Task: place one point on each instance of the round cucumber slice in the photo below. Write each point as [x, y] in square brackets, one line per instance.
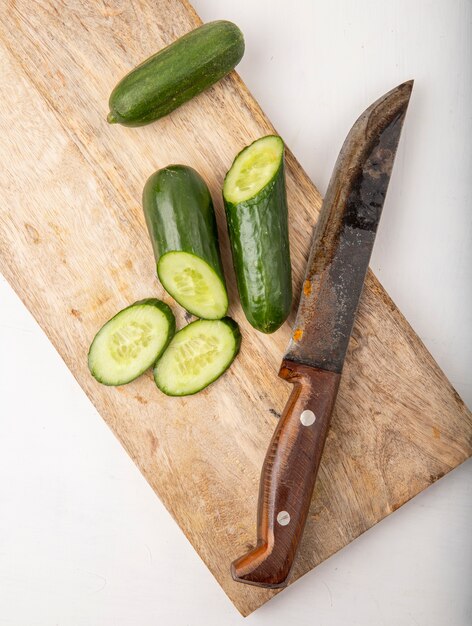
[193, 284]
[253, 169]
[131, 342]
[197, 355]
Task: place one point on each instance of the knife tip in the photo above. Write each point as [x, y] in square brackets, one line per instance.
[407, 85]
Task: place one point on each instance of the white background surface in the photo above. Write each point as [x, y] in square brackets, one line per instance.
[83, 539]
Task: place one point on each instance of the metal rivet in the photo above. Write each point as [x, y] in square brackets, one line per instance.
[283, 518]
[307, 417]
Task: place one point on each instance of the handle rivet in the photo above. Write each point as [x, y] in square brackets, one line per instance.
[283, 518]
[307, 417]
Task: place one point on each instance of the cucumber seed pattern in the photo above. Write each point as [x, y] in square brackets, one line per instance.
[255, 170]
[195, 353]
[190, 283]
[127, 342]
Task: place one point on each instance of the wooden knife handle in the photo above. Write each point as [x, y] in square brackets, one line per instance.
[288, 476]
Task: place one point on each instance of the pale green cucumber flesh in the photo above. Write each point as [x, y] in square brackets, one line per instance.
[253, 169]
[131, 342]
[197, 355]
[194, 284]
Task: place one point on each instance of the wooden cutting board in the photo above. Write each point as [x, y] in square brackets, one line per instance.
[75, 248]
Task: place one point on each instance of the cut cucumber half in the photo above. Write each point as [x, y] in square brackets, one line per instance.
[253, 169]
[197, 355]
[256, 209]
[193, 284]
[181, 221]
[131, 342]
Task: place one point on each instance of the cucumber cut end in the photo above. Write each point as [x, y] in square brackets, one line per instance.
[193, 284]
[253, 169]
[197, 356]
[131, 342]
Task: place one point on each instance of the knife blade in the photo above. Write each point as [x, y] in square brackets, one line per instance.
[342, 245]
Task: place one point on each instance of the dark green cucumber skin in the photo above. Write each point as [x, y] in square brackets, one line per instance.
[237, 345]
[176, 74]
[162, 306]
[179, 215]
[258, 233]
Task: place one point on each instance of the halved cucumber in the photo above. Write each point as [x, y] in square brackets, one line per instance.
[131, 342]
[181, 222]
[257, 217]
[197, 355]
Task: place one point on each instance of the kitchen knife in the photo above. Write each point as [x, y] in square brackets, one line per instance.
[337, 265]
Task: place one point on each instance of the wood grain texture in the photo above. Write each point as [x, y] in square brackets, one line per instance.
[73, 244]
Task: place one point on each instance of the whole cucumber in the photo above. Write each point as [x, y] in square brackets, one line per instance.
[175, 74]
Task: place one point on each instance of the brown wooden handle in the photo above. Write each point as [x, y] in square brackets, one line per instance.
[288, 476]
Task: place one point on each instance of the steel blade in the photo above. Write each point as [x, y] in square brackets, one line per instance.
[345, 233]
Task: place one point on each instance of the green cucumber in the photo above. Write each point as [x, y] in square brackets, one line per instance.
[131, 342]
[176, 74]
[197, 355]
[181, 221]
[256, 213]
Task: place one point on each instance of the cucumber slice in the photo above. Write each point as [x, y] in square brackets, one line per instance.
[253, 169]
[193, 284]
[131, 342]
[197, 355]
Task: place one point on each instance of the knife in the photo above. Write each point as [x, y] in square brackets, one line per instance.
[342, 245]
